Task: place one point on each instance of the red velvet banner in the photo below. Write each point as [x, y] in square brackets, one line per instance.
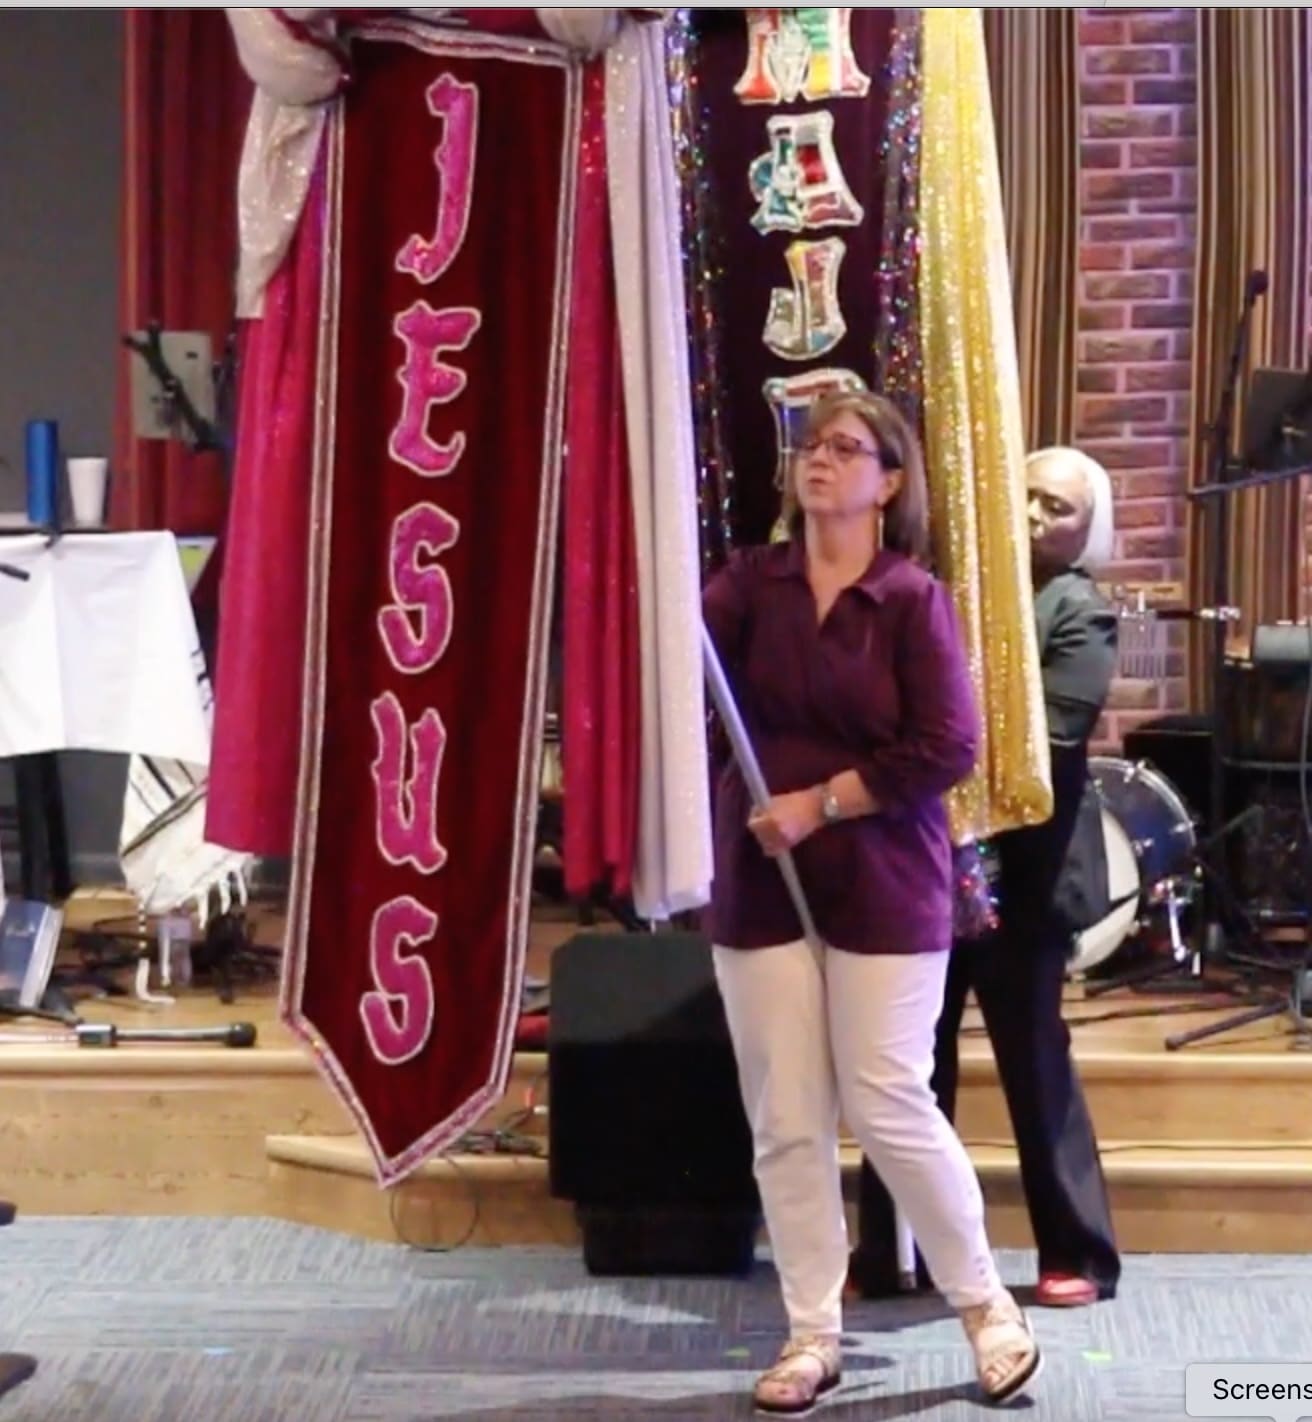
[437, 466]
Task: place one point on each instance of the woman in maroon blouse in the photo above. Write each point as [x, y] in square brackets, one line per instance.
[845, 657]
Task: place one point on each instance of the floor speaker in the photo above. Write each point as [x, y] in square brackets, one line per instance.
[647, 1133]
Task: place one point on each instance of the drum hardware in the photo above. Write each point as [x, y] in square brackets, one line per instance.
[1149, 843]
[1185, 969]
[1171, 898]
[1300, 994]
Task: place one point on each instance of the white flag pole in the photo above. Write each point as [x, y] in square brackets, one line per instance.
[722, 695]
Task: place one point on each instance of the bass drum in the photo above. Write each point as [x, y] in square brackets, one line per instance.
[1149, 837]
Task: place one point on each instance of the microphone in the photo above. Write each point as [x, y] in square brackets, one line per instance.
[98, 1034]
[1256, 286]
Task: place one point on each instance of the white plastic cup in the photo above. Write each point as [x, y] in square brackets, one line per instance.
[87, 481]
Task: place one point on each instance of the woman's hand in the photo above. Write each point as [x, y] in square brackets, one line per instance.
[788, 821]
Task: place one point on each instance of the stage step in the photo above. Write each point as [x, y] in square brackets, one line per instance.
[174, 1130]
[1151, 1096]
[1184, 1197]
[1156, 1095]
[460, 1199]
[1148, 1096]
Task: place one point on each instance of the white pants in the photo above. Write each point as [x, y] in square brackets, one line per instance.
[815, 1034]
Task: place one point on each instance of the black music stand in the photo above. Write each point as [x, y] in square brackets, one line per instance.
[1279, 435]
[1277, 447]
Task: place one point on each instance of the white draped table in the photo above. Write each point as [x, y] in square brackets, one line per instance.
[99, 650]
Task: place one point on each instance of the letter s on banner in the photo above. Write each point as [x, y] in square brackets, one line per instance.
[398, 1017]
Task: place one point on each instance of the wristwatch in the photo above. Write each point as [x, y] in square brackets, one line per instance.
[830, 811]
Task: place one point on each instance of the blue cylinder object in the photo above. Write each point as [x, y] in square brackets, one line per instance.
[42, 471]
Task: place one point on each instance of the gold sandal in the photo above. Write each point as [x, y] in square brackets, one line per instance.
[807, 1369]
[1006, 1355]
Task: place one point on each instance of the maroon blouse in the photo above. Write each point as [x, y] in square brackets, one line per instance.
[881, 687]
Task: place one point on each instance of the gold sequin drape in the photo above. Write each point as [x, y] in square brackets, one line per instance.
[973, 427]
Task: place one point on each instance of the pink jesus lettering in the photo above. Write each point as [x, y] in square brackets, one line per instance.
[422, 589]
[427, 380]
[407, 811]
[456, 105]
[398, 1015]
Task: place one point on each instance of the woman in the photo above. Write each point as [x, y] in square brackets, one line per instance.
[845, 657]
[1053, 878]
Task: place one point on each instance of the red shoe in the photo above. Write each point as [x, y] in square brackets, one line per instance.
[1065, 1291]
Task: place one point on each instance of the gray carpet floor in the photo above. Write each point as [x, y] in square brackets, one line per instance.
[172, 1320]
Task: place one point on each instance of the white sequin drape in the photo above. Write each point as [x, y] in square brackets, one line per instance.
[673, 865]
[294, 80]
[277, 162]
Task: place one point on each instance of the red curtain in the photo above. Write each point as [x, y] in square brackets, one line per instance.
[186, 99]
[602, 693]
[257, 719]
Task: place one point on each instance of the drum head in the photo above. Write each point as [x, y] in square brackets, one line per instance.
[1147, 808]
[1095, 945]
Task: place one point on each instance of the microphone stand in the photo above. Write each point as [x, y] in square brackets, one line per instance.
[1220, 471]
[1220, 486]
[1209, 855]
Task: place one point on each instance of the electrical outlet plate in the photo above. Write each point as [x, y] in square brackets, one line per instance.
[189, 355]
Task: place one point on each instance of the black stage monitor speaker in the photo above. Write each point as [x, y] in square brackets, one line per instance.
[647, 1133]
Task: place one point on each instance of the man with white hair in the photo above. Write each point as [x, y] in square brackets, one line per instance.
[1053, 885]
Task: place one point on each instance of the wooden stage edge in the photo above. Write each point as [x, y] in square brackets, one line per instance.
[1206, 1149]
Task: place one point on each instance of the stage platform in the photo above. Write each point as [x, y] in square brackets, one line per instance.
[1207, 1149]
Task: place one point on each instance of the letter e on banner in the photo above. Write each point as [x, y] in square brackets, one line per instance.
[427, 380]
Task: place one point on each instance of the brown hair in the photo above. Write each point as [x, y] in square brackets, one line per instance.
[906, 515]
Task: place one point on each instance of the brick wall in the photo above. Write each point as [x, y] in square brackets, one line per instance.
[1138, 169]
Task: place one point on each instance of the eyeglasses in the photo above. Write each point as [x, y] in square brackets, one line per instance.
[842, 447]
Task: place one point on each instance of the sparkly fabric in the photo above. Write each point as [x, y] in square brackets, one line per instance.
[974, 440]
[286, 67]
[599, 590]
[673, 865]
[581, 27]
[897, 331]
[292, 58]
[277, 163]
[701, 261]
